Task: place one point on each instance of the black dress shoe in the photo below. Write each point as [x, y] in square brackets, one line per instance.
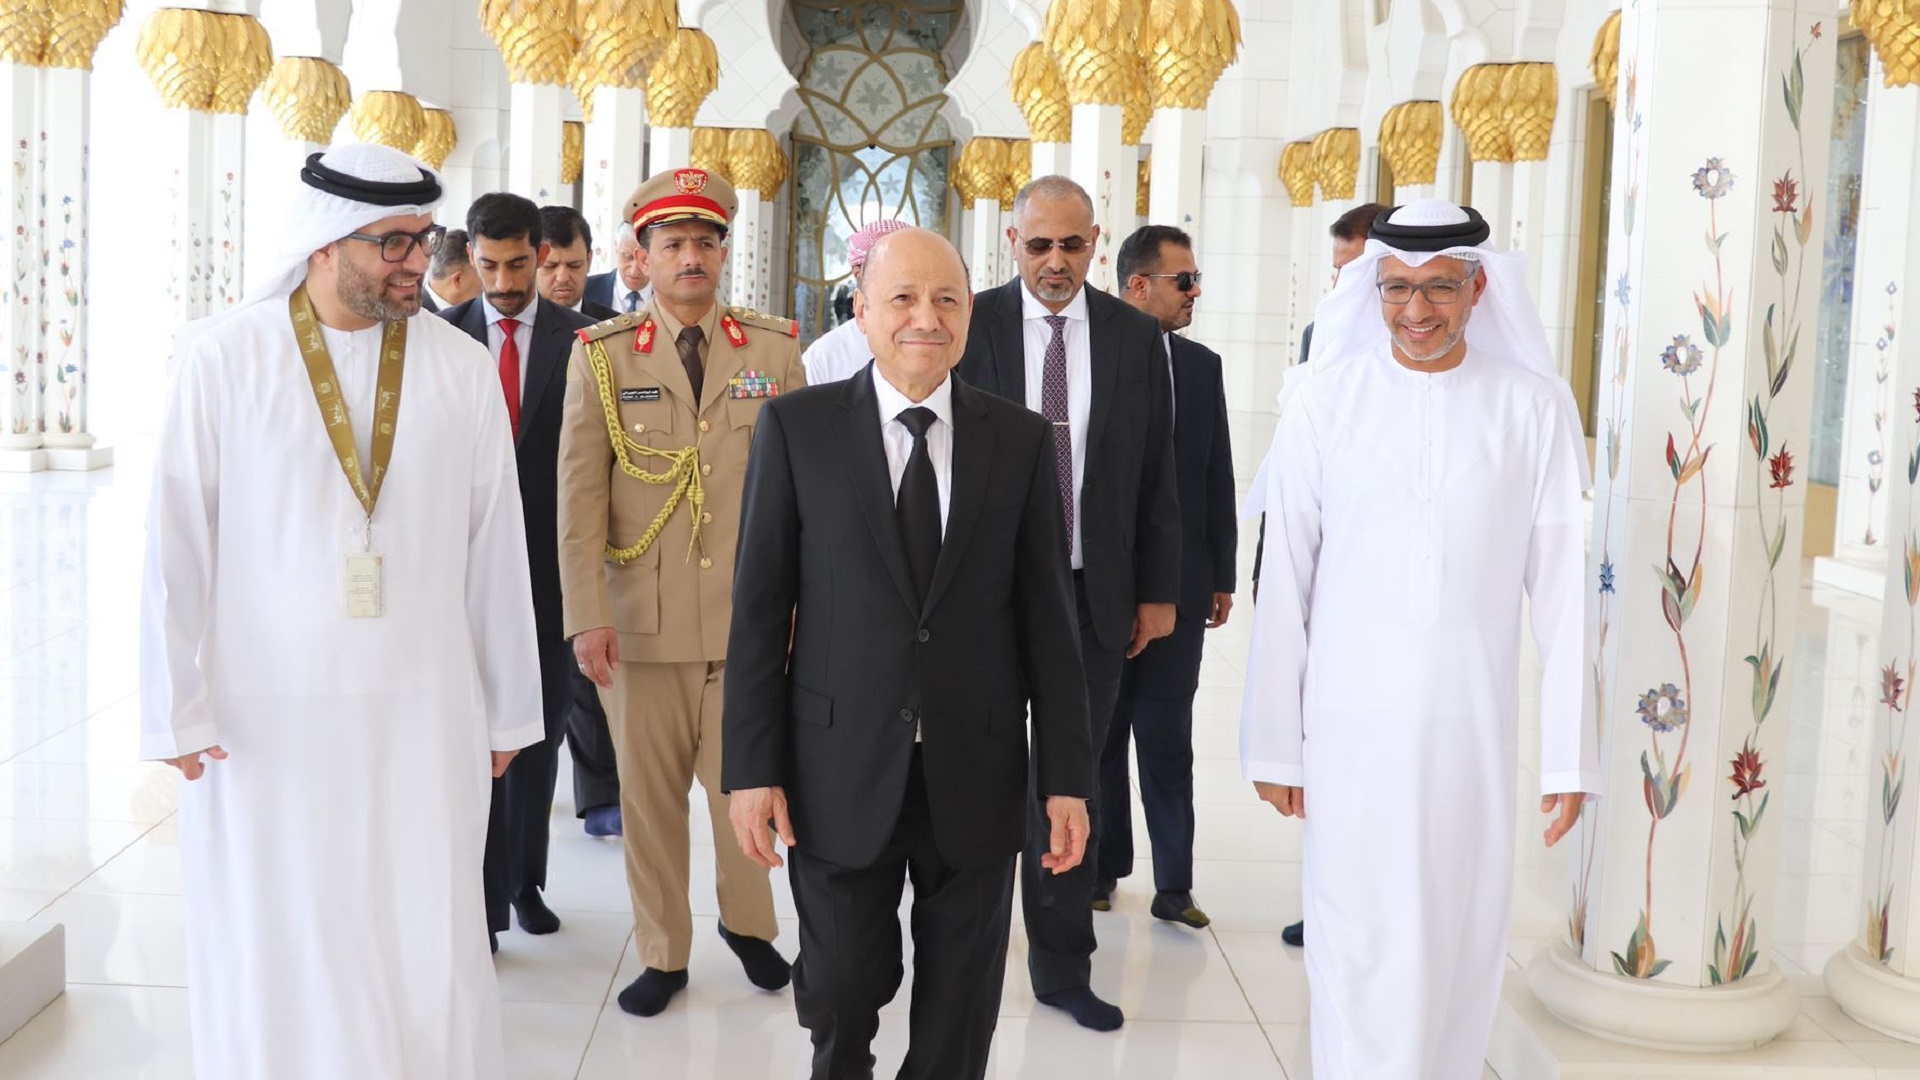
[649, 994]
[1178, 907]
[1103, 894]
[1295, 935]
[764, 965]
[493, 942]
[1086, 1008]
[535, 916]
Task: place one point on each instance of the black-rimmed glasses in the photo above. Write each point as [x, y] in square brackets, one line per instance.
[1040, 245]
[1438, 293]
[1185, 280]
[395, 247]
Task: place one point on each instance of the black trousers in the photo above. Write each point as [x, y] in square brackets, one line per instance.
[850, 967]
[1059, 907]
[1156, 709]
[517, 827]
[595, 780]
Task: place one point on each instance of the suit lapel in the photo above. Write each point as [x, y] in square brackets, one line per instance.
[972, 457]
[549, 355]
[872, 486]
[1104, 358]
[1009, 345]
[474, 322]
[1189, 401]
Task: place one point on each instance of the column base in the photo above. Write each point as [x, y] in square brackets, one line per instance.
[33, 972]
[78, 458]
[22, 461]
[1718, 1019]
[1874, 996]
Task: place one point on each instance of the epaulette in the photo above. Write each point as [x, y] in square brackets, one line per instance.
[774, 323]
[608, 327]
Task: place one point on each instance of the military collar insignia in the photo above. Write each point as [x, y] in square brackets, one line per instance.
[643, 337]
[734, 333]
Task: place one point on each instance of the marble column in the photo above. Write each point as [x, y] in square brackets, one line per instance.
[678, 83]
[1529, 97]
[616, 156]
[746, 260]
[1179, 138]
[984, 244]
[534, 137]
[1052, 158]
[64, 311]
[1872, 456]
[1698, 507]
[1296, 174]
[1098, 161]
[22, 362]
[669, 147]
[1876, 978]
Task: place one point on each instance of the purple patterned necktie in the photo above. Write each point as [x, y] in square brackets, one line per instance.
[1053, 406]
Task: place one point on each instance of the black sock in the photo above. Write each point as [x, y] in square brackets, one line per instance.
[764, 965]
[1085, 1007]
[649, 993]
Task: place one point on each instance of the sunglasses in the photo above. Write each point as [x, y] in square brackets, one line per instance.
[1185, 280]
[395, 247]
[1040, 245]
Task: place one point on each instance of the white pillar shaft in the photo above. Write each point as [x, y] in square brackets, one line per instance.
[1877, 978]
[534, 135]
[22, 362]
[669, 148]
[64, 247]
[1179, 142]
[1125, 213]
[1407, 193]
[1527, 220]
[616, 152]
[984, 241]
[205, 186]
[745, 270]
[1052, 159]
[1301, 294]
[1098, 158]
[1696, 559]
[1493, 197]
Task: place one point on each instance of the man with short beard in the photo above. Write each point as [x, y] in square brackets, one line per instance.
[528, 337]
[336, 612]
[562, 277]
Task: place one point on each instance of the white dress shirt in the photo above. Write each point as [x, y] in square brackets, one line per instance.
[522, 336]
[1173, 395]
[838, 354]
[1039, 335]
[627, 299]
[899, 441]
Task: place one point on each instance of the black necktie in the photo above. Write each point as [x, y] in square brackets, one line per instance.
[918, 505]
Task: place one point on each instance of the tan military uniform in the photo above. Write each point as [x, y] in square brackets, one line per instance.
[671, 603]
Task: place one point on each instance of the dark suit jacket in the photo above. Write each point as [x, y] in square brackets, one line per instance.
[1203, 459]
[596, 311]
[426, 299]
[537, 447]
[1128, 509]
[831, 718]
[600, 289]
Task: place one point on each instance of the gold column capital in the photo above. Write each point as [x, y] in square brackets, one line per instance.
[679, 81]
[438, 136]
[535, 38]
[1137, 110]
[1892, 27]
[1143, 189]
[980, 170]
[1096, 44]
[1480, 113]
[1604, 62]
[390, 118]
[755, 161]
[573, 150]
[1529, 98]
[204, 60]
[709, 152]
[308, 96]
[1019, 169]
[56, 33]
[1336, 162]
[1410, 141]
[617, 40]
[1296, 172]
[1041, 95]
[1188, 43]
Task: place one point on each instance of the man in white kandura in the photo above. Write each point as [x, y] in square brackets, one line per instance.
[842, 352]
[336, 611]
[1424, 475]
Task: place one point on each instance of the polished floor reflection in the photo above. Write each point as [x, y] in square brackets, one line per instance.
[87, 839]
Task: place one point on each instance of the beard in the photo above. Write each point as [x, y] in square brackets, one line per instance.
[365, 295]
[1437, 350]
[1052, 293]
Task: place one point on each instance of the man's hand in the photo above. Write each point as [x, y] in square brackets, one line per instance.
[190, 765]
[1068, 843]
[597, 651]
[1150, 623]
[1291, 801]
[1569, 806]
[502, 759]
[750, 810]
[1222, 606]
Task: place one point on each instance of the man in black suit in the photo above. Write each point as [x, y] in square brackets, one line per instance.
[562, 277]
[1096, 369]
[529, 339]
[626, 287]
[1160, 278]
[901, 596]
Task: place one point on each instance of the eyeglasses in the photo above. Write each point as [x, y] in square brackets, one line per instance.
[395, 247]
[1040, 245]
[1437, 293]
[1185, 280]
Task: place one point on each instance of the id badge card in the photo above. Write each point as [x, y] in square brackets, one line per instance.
[366, 587]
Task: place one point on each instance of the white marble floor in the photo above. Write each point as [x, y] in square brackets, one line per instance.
[87, 839]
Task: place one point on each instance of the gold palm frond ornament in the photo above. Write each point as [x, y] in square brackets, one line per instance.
[438, 137]
[1336, 162]
[1019, 169]
[535, 38]
[686, 71]
[755, 161]
[1187, 44]
[1480, 113]
[1529, 97]
[57, 34]
[307, 96]
[1041, 95]
[573, 150]
[1892, 27]
[1605, 59]
[1296, 172]
[709, 151]
[390, 118]
[204, 60]
[1096, 44]
[1410, 141]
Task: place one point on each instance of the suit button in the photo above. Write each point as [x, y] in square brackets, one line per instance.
[703, 425]
[923, 636]
[706, 563]
[706, 519]
[706, 470]
[906, 715]
[639, 429]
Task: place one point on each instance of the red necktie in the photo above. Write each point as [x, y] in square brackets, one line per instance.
[510, 371]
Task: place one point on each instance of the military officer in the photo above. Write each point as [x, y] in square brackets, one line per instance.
[660, 410]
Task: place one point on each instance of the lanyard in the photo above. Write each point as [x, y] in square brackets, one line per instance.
[333, 409]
